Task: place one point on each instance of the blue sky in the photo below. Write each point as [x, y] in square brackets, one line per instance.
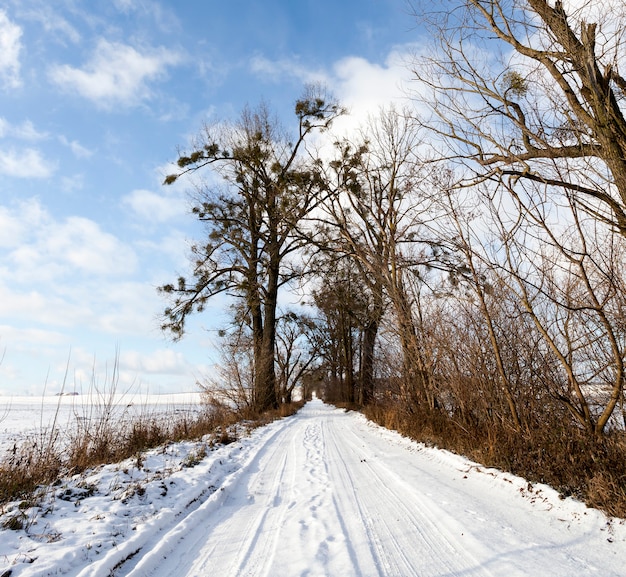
[96, 98]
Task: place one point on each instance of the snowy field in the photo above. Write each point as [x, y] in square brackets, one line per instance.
[322, 493]
[24, 417]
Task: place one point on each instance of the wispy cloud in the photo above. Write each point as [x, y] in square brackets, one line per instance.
[84, 246]
[117, 74]
[25, 163]
[42, 248]
[53, 22]
[163, 361]
[164, 17]
[72, 183]
[42, 308]
[125, 6]
[77, 149]
[24, 131]
[277, 70]
[10, 47]
[31, 336]
[16, 221]
[69, 272]
[154, 207]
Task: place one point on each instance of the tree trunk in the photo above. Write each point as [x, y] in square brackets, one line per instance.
[266, 397]
[370, 333]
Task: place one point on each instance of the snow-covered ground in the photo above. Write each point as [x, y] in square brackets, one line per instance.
[22, 417]
[321, 493]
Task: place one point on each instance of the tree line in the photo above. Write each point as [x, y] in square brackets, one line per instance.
[462, 259]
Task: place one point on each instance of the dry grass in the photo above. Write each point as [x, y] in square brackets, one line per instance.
[44, 458]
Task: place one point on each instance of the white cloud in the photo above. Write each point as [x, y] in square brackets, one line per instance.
[174, 246]
[25, 163]
[85, 246]
[53, 22]
[71, 184]
[593, 11]
[364, 87]
[27, 216]
[78, 304]
[24, 131]
[125, 306]
[163, 361]
[154, 207]
[610, 15]
[27, 131]
[125, 5]
[277, 70]
[77, 149]
[164, 17]
[30, 305]
[10, 47]
[12, 228]
[117, 74]
[360, 85]
[70, 273]
[44, 249]
[154, 371]
[365, 84]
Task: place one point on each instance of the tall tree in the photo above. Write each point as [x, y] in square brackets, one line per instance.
[298, 347]
[342, 304]
[470, 273]
[377, 221]
[268, 183]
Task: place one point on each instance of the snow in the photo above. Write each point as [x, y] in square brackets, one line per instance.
[324, 492]
[23, 416]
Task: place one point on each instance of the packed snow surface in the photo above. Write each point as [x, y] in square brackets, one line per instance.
[321, 493]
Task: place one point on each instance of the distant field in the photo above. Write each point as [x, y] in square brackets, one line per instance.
[26, 417]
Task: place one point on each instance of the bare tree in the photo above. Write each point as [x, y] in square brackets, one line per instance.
[232, 383]
[529, 91]
[298, 347]
[528, 98]
[567, 271]
[472, 272]
[342, 305]
[376, 220]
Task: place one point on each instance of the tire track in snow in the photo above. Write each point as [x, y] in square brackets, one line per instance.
[401, 525]
[294, 528]
[324, 494]
[279, 517]
[320, 519]
[311, 487]
[145, 552]
[246, 541]
[238, 534]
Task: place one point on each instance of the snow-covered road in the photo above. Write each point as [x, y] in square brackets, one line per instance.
[327, 493]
